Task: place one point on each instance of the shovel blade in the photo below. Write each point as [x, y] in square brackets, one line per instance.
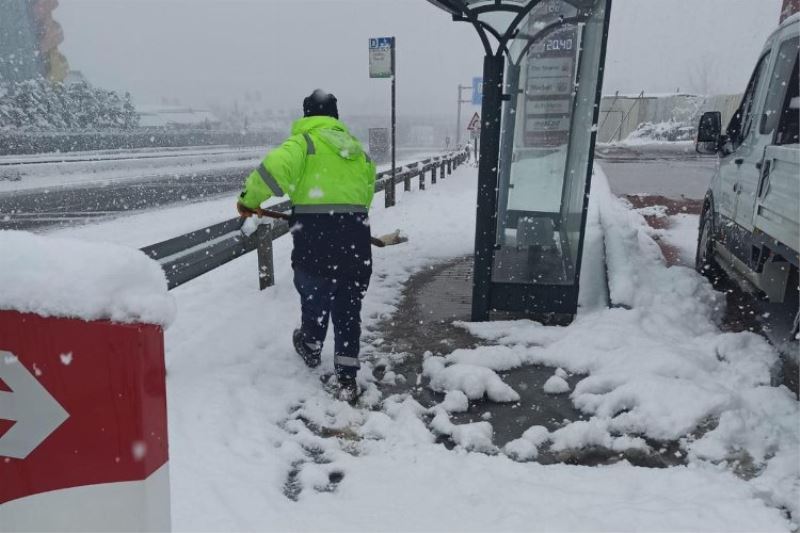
[391, 239]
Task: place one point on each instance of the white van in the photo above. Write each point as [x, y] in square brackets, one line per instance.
[750, 223]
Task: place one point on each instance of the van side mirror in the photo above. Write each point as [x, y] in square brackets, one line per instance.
[709, 133]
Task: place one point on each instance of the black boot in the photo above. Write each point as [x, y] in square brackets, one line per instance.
[309, 353]
[348, 389]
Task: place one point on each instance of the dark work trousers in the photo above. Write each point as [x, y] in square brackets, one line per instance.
[340, 300]
[332, 261]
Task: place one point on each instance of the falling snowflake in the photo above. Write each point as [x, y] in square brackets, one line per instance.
[66, 358]
[139, 450]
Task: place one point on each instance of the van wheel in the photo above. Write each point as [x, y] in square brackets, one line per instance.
[705, 263]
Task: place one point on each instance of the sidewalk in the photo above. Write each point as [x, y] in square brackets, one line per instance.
[258, 445]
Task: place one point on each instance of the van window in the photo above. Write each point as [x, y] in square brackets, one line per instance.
[739, 126]
[789, 127]
[779, 84]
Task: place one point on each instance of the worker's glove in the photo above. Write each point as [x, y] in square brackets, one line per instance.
[244, 211]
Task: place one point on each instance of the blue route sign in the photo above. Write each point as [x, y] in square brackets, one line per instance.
[477, 91]
[380, 57]
[380, 42]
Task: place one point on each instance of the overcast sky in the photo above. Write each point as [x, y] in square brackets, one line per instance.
[205, 51]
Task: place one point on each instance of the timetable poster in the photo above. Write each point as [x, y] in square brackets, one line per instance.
[550, 75]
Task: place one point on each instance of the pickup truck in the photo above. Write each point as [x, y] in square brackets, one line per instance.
[750, 222]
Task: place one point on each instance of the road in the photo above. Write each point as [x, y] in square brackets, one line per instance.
[77, 188]
[673, 171]
[30, 210]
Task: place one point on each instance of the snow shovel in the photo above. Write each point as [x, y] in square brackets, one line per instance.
[390, 239]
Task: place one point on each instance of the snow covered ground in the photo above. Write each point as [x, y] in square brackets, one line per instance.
[26, 173]
[256, 444]
[82, 169]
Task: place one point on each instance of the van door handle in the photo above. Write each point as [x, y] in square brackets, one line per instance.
[759, 165]
[736, 187]
[739, 161]
[764, 186]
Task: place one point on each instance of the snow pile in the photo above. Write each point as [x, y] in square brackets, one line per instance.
[474, 381]
[589, 433]
[658, 365]
[556, 385]
[668, 131]
[76, 279]
[475, 436]
[497, 358]
[759, 436]
[526, 447]
[682, 234]
[400, 421]
[455, 401]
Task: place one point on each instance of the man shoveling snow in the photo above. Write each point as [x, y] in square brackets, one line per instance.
[330, 181]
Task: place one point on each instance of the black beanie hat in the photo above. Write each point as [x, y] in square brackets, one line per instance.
[320, 103]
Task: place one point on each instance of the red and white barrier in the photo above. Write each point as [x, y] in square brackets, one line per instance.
[83, 414]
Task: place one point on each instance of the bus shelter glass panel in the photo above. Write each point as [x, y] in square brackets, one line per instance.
[546, 140]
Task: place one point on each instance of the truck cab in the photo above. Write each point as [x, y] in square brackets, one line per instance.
[750, 223]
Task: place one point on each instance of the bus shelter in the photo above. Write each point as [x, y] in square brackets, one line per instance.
[543, 73]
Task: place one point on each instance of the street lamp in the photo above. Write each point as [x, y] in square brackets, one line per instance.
[537, 144]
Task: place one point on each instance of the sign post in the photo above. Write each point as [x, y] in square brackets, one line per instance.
[476, 100]
[382, 64]
[475, 131]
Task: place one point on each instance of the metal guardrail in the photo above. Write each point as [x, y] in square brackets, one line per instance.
[193, 254]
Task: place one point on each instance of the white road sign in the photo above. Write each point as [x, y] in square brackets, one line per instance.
[380, 57]
[475, 123]
[36, 413]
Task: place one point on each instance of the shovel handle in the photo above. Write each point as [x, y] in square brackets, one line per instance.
[285, 216]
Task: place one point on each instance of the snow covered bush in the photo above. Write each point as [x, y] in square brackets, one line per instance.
[39, 105]
[669, 131]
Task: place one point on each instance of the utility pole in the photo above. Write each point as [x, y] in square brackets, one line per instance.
[461, 88]
[394, 118]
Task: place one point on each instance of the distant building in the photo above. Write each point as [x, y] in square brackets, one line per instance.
[19, 44]
[176, 117]
[29, 39]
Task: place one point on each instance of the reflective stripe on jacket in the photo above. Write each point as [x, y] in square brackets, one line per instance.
[321, 167]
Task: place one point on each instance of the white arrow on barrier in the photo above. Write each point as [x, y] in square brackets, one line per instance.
[36, 413]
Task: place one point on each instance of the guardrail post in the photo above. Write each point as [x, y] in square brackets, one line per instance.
[389, 190]
[449, 166]
[422, 179]
[433, 174]
[266, 264]
[407, 181]
[441, 170]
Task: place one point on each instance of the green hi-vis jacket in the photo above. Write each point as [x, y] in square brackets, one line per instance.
[321, 167]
